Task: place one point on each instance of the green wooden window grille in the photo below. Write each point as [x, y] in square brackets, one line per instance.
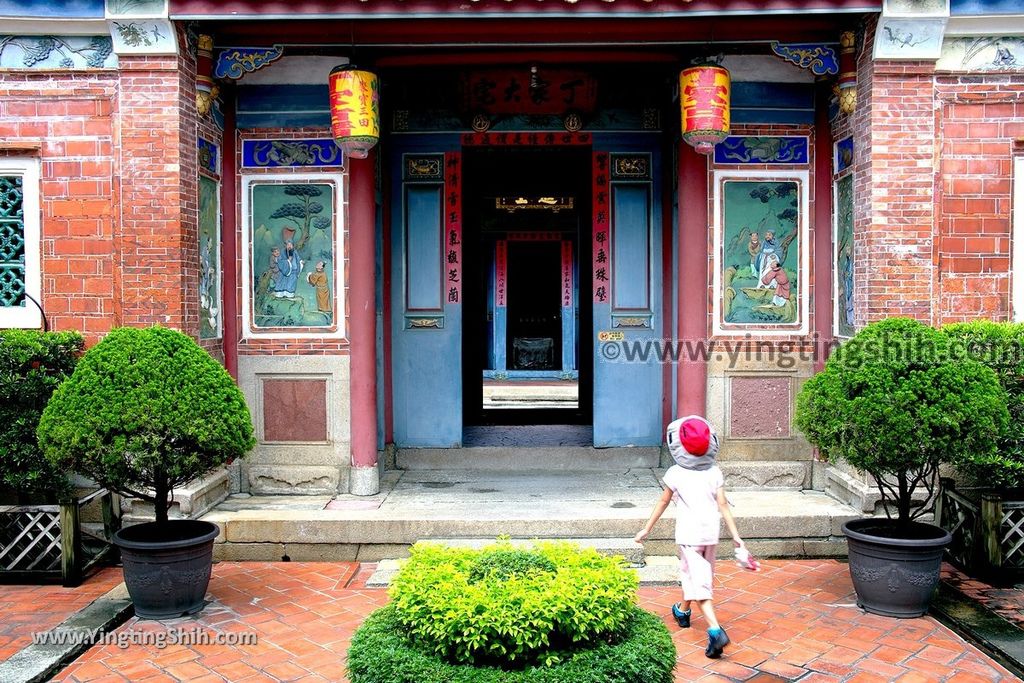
[12, 242]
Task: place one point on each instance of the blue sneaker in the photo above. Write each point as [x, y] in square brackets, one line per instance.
[716, 643]
[682, 618]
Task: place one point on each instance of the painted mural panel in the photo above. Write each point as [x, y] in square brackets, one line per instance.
[209, 260]
[293, 269]
[760, 252]
[843, 241]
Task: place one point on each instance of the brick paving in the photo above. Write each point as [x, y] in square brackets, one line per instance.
[1006, 601]
[793, 620]
[34, 609]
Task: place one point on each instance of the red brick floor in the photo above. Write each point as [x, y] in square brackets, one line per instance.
[793, 620]
[34, 609]
[1007, 602]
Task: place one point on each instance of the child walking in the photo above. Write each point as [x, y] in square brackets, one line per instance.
[696, 484]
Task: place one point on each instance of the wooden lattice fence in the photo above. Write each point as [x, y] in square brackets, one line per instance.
[987, 528]
[43, 543]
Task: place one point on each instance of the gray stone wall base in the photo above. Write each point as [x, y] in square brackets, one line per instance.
[296, 479]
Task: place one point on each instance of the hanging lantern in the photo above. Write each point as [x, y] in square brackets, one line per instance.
[355, 117]
[704, 100]
[847, 85]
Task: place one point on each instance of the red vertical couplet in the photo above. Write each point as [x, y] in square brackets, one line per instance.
[602, 222]
[566, 274]
[453, 227]
[500, 272]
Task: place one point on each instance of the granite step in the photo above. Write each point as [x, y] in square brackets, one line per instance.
[483, 505]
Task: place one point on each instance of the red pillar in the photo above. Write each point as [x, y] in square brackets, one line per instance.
[692, 386]
[229, 243]
[823, 309]
[362, 326]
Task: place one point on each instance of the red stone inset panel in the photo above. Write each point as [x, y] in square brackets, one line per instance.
[760, 407]
[295, 410]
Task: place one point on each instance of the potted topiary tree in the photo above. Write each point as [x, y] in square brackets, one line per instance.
[896, 402]
[145, 411]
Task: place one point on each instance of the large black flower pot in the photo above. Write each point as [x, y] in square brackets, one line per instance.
[895, 569]
[167, 570]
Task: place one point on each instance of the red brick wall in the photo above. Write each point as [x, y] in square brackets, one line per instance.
[979, 117]
[118, 190]
[68, 122]
[895, 193]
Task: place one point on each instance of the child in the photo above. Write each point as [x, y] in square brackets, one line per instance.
[695, 483]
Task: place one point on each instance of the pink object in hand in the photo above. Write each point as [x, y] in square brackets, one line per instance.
[746, 561]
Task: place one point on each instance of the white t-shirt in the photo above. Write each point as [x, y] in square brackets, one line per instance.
[695, 493]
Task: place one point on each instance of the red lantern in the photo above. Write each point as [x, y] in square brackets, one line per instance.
[355, 115]
[704, 101]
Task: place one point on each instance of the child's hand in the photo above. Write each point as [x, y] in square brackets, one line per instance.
[641, 535]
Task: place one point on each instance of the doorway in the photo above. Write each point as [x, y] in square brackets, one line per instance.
[524, 359]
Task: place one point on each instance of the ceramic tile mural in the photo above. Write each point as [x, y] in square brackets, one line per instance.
[761, 263]
[292, 271]
[843, 266]
[209, 260]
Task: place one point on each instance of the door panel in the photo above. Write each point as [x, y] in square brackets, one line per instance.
[426, 298]
[627, 291]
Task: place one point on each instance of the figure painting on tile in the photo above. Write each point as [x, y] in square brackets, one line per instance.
[844, 256]
[292, 254]
[761, 252]
[209, 260]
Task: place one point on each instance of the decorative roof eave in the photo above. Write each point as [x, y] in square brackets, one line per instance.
[331, 9]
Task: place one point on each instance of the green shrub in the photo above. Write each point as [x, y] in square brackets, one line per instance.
[896, 402]
[510, 616]
[32, 366]
[1000, 346]
[502, 564]
[145, 411]
[382, 652]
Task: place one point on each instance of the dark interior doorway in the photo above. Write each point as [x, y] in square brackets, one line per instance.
[534, 332]
[535, 262]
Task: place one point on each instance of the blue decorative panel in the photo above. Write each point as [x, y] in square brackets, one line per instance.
[283, 106]
[753, 149]
[290, 153]
[756, 102]
[235, 62]
[844, 154]
[209, 157]
[65, 9]
[960, 8]
[631, 211]
[821, 60]
[423, 206]
[57, 52]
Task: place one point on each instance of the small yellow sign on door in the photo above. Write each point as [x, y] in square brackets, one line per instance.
[608, 336]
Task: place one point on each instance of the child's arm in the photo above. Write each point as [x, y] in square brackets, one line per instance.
[659, 508]
[730, 523]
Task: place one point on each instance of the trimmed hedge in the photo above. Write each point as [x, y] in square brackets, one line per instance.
[896, 401]
[1000, 346]
[146, 409]
[382, 652]
[32, 366]
[499, 604]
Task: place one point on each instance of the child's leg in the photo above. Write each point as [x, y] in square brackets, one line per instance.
[702, 567]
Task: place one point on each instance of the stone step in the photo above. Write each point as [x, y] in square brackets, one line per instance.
[448, 504]
[524, 458]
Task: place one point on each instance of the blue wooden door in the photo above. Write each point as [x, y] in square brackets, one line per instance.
[426, 295]
[627, 296]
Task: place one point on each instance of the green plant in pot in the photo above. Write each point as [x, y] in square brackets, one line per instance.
[896, 402]
[145, 411]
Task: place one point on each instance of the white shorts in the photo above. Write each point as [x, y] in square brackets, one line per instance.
[696, 571]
